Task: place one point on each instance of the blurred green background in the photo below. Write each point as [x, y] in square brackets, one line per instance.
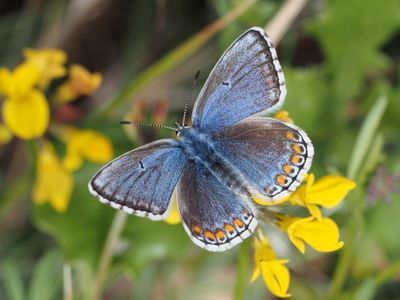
[341, 60]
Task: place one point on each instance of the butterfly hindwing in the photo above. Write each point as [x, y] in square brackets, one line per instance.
[246, 80]
[214, 216]
[273, 156]
[142, 181]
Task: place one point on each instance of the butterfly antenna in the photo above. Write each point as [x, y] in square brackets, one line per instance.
[147, 125]
[196, 77]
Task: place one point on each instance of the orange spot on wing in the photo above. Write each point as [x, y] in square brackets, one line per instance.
[288, 169]
[238, 222]
[295, 159]
[280, 179]
[289, 135]
[229, 228]
[220, 235]
[209, 235]
[196, 229]
[297, 148]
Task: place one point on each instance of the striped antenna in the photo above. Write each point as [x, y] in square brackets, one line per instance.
[190, 96]
[147, 125]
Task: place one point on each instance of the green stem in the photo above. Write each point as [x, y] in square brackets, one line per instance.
[172, 59]
[242, 270]
[343, 263]
[107, 253]
[361, 151]
[67, 278]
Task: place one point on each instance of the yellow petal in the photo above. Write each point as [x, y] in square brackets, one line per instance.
[95, 147]
[256, 273]
[25, 76]
[262, 200]
[298, 242]
[6, 82]
[60, 203]
[276, 277]
[283, 116]
[263, 250]
[309, 178]
[284, 221]
[64, 93]
[27, 118]
[314, 211]
[322, 235]
[5, 134]
[53, 183]
[50, 63]
[72, 161]
[299, 196]
[329, 190]
[174, 216]
[80, 83]
[88, 144]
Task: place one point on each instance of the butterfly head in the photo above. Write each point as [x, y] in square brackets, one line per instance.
[180, 128]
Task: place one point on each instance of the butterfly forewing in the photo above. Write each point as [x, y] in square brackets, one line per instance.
[141, 181]
[246, 80]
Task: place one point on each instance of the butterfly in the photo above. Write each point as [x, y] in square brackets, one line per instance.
[228, 155]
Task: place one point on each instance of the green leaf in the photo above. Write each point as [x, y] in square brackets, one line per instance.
[366, 290]
[48, 270]
[366, 136]
[382, 225]
[82, 229]
[150, 241]
[306, 96]
[351, 33]
[12, 280]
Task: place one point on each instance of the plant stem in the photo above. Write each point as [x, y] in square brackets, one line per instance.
[67, 276]
[283, 19]
[107, 253]
[242, 267]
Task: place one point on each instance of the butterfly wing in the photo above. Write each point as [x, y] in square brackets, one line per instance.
[141, 182]
[214, 217]
[273, 156]
[246, 80]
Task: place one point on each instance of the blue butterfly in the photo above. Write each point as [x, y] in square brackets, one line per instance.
[225, 158]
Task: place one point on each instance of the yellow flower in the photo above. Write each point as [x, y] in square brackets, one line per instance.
[85, 144]
[80, 83]
[262, 200]
[322, 235]
[275, 274]
[50, 63]
[283, 116]
[328, 191]
[5, 134]
[25, 109]
[53, 182]
[173, 216]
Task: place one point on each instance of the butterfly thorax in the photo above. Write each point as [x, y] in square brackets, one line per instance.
[199, 146]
